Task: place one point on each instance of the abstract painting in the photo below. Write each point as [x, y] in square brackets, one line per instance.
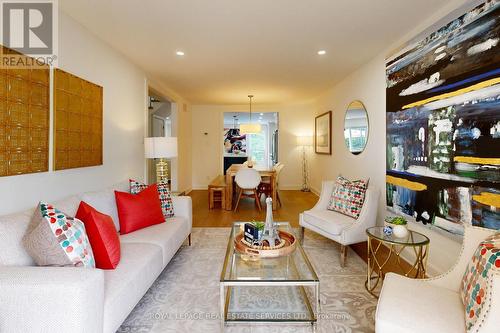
[323, 134]
[443, 124]
[234, 142]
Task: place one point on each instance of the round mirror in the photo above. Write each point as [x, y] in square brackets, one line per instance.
[356, 127]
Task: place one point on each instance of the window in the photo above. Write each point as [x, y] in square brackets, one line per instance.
[258, 144]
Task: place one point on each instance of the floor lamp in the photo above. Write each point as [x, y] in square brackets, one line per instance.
[304, 142]
[162, 148]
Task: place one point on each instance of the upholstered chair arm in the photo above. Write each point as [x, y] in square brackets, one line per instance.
[452, 278]
[51, 299]
[183, 208]
[367, 218]
[326, 193]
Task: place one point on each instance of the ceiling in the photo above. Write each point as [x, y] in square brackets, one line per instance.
[236, 47]
[244, 117]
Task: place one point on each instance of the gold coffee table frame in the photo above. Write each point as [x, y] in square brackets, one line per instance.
[417, 241]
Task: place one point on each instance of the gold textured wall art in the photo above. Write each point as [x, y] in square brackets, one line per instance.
[78, 124]
[24, 118]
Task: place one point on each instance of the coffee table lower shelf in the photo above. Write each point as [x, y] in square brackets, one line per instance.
[269, 302]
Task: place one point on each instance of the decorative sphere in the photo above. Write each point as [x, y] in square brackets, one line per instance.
[388, 230]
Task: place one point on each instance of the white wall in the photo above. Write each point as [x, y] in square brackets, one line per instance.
[84, 55]
[294, 120]
[368, 85]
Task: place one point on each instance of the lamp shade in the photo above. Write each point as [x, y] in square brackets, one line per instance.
[304, 140]
[160, 147]
[251, 128]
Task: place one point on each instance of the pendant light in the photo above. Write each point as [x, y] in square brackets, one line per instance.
[250, 128]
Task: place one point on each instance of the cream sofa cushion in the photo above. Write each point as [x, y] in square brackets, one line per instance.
[168, 235]
[124, 286]
[407, 305]
[12, 229]
[328, 221]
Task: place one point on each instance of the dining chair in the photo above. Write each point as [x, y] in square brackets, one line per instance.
[248, 180]
[279, 168]
[265, 185]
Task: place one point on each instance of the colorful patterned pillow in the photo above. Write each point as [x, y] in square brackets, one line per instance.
[348, 196]
[474, 288]
[55, 239]
[167, 206]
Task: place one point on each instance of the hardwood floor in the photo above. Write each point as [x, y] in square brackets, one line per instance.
[294, 203]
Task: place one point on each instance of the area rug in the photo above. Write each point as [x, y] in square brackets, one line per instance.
[185, 297]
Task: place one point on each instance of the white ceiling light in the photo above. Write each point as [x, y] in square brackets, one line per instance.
[180, 53]
[321, 52]
[250, 128]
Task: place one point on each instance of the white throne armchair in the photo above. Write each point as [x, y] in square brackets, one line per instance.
[338, 227]
[434, 305]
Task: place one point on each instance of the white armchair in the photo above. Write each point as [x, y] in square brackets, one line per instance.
[434, 305]
[341, 228]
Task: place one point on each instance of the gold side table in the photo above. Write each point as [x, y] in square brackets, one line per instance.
[415, 240]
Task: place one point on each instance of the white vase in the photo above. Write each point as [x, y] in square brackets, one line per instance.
[400, 231]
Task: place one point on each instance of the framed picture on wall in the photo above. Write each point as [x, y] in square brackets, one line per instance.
[323, 133]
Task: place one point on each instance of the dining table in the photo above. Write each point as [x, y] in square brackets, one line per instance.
[230, 185]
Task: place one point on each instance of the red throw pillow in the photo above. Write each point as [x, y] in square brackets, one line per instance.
[137, 211]
[102, 235]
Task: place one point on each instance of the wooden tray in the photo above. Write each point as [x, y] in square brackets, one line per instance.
[290, 243]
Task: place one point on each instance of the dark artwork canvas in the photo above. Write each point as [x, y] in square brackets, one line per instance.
[443, 124]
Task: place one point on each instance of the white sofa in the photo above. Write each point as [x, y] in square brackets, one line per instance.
[71, 299]
[341, 228]
[434, 305]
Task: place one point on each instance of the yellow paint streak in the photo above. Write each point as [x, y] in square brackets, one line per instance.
[477, 160]
[489, 199]
[406, 183]
[458, 92]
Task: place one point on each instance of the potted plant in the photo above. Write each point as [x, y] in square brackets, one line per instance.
[260, 227]
[399, 226]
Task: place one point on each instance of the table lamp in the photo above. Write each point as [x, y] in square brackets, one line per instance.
[162, 148]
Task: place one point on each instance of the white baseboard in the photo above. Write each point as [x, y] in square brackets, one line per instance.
[315, 191]
[290, 187]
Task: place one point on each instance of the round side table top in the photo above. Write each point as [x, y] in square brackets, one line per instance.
[412, 239]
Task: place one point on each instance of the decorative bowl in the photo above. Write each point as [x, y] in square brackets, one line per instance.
[266, 252]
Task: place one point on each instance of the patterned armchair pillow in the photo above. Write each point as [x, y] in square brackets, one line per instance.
[56, 239]
[348, 196]
[167, 206]
[474, 287]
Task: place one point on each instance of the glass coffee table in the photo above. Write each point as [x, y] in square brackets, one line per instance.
[282, 289]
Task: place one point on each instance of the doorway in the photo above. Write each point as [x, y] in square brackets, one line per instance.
[159, 124]
[261, 147]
